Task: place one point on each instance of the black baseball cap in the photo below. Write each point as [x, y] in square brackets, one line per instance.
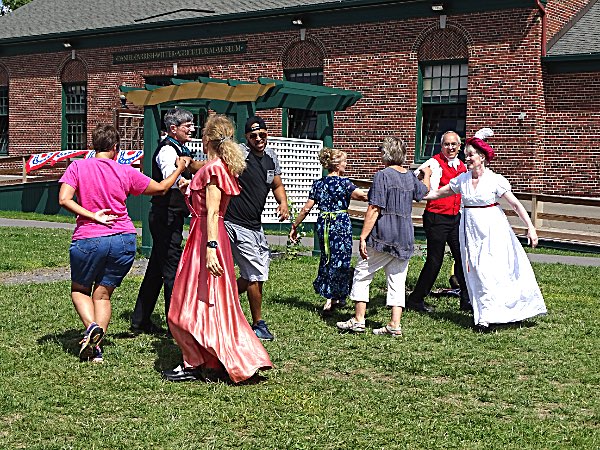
[255, 123]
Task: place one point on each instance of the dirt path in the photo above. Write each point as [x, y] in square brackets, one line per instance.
[49, 275]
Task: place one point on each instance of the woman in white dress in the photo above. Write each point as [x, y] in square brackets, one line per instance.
[501, 283]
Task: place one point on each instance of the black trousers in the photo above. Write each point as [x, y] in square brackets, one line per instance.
[440, 229]
[166, 227]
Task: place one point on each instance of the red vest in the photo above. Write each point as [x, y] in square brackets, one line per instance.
[449, 205]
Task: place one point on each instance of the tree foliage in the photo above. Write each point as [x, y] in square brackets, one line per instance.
[14, 4]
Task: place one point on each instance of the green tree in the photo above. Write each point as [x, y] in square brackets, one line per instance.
[14, 4]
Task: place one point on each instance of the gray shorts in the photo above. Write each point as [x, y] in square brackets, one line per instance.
[250, 252]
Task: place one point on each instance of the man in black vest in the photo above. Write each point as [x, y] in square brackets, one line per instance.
[243, 218]
[166, 218]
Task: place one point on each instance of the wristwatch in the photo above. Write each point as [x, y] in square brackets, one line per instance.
[212, 244]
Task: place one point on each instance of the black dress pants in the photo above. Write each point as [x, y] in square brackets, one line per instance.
[440, 229]
[166, 227]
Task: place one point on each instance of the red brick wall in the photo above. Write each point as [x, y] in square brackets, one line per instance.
[379, 60]
[559, 12]
[571, 166]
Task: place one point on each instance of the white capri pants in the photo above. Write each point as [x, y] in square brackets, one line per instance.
[395, 271]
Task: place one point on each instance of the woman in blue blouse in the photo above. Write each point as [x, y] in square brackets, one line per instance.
[332, 194]
[387, 237]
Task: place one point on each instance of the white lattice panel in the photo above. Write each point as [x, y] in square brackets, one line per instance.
[300, 166]
[195, 147]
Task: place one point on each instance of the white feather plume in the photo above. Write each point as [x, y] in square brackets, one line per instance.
[484, 133]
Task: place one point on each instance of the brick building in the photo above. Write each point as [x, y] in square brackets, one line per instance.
[529, 69]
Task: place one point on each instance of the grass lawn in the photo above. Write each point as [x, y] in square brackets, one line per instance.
[440, 386]
[33, 248]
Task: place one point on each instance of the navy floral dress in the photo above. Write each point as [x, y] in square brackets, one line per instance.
[332, 196]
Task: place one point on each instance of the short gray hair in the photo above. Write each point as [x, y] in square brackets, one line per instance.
[393, 151]
[448, 132]
[177, 116]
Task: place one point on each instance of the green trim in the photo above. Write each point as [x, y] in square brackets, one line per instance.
[589, 62]
[284, 122]
[64, 123]
[314, 16]
[151, 136]
[419, 119]
[4, 115]
[63, 129]
[325, 128]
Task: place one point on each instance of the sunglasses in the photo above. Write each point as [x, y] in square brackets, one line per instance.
[261, 135]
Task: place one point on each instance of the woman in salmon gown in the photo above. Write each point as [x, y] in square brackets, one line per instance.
[205, 316]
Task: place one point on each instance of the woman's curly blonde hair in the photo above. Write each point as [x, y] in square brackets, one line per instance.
[219, 132]
[330, 157]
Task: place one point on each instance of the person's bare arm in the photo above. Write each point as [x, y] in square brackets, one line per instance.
[213, 200]
[518, 207]
[359, 194]
[299, 218]
[196, 165]
[370, 218]
[426, 178]
[439, 193]
[281, 198]
[156, 188]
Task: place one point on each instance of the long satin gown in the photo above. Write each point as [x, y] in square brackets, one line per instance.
[205, 316]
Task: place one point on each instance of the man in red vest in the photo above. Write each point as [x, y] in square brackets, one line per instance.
[441, 221]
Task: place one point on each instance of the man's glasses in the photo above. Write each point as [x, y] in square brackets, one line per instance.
[261, 135]
[450, 144]
[187, 125]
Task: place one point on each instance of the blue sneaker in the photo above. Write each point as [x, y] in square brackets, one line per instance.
[97, 355]
[91, 338]
[262, 332]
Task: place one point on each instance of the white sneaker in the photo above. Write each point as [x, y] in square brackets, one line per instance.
[352, 325]
[387, 330]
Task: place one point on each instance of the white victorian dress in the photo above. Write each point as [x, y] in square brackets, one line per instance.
[502, 285]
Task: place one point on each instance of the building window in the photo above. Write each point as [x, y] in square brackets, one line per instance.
[75, 116]
[443, 101]
[3, 120]
[302, 123]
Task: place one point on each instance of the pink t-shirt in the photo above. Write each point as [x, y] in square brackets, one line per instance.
[101, 183]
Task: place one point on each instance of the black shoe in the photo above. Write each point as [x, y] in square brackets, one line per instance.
[423, 307]
[179, 374]
[147, 329]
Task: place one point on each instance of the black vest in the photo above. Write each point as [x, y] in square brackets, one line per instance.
[173, 199]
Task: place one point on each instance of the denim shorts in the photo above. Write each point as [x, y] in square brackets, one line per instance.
[102, 260]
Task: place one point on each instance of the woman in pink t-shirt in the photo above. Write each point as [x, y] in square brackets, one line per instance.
[104, 241]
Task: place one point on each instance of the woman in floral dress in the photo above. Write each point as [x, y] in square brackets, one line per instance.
[332, 194]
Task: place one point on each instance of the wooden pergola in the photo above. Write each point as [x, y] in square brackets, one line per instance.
[237, 99]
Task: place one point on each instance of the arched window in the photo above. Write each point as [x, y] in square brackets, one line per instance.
[443, 78]
[74, 106]
[302, 63]
[3, 111]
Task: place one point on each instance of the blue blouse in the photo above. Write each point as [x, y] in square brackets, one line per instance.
[393, 192]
